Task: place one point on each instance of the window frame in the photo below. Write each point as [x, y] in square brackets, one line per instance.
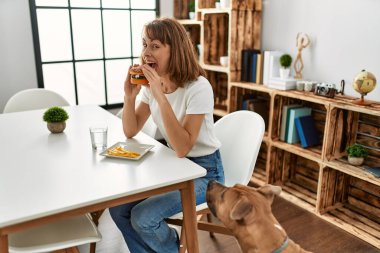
[37, 47]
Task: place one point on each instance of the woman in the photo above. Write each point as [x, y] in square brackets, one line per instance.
[181, 103]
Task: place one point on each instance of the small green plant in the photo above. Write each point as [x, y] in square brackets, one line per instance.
[357, 151]
[55, 114]
[285, 60]
[191, 6]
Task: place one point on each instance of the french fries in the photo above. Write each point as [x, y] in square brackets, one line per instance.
[120, 151]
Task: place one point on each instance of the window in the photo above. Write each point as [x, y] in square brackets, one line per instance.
[83, 48]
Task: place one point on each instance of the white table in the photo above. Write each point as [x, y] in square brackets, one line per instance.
[44, 177]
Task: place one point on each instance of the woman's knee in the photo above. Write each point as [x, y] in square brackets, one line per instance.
[141, 219]
[120, 213]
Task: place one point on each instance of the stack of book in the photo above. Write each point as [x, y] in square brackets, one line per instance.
[251, 66]
[271, 72]
[298, 125]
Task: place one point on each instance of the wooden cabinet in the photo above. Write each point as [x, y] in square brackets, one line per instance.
[223, 32]
[319, 179]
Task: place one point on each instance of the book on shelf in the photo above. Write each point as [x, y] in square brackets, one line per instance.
[249, 65]
[268, 69]
[373, 170]
[292, 136]
[284, 119]
[307, 132]
[259, 69]
[253, 66]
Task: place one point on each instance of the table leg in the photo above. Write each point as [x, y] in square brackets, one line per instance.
[189, 217]
[4, 244]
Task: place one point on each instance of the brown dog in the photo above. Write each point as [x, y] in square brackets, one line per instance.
[248, 214]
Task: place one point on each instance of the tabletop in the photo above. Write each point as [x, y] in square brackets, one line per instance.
[43, 174]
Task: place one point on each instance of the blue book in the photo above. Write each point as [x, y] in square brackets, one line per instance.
[294, 113]
[307, 132]
[285, 120]
[253, 66]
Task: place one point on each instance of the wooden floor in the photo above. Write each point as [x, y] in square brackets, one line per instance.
[303, 227]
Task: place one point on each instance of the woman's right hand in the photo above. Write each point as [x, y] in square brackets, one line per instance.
[131, 90]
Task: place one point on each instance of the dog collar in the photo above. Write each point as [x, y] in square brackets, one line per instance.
[283, 246]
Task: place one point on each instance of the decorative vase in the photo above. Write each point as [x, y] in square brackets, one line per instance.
[225, 3]
[355, 160]
[191, 15]
[56, 127]
[284, 73]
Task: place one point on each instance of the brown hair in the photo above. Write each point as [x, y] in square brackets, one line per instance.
[183, 65]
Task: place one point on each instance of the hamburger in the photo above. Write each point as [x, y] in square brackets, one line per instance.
[137, 76]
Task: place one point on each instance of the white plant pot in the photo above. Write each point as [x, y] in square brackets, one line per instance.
[192, 15]
[284, 73]
[225, 3]
[355, 160]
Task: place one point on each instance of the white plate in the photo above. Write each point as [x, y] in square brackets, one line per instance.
[142, 149]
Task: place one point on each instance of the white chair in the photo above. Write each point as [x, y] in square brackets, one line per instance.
[240, 134]
[62, 234]
[32, 99]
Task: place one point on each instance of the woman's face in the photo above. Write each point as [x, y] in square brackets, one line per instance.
[156, 55]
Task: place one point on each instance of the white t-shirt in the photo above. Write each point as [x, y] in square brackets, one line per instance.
[195, 97]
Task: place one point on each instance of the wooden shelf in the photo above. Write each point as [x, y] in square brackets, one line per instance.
[190, 22]
[220, 113]
[252, 86]
[310, 153]
[355, 171]
[216, 68]
[297, 198]
[355, 224]
[215, 11]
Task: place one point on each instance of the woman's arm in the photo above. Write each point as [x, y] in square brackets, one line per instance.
[134, 118]
[181, 135]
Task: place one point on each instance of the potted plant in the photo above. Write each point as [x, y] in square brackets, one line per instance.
[285, 62]
[356, 154]
[217, 4]
[56, 119]
[191, 10]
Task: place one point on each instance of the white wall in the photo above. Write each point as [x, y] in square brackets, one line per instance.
[345, 39]
[17, 65]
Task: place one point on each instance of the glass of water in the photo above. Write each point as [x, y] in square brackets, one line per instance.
[99, 136]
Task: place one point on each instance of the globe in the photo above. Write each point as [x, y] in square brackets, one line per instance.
[364, 83]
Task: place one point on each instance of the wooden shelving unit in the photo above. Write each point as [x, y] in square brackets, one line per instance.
[318, 179]
[219, 36]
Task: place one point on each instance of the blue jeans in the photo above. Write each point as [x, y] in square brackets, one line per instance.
[142, 222]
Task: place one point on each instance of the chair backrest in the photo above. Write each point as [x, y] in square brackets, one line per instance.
[240, 134]
[33, 99]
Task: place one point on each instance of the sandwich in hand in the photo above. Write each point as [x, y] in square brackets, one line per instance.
[137, 76]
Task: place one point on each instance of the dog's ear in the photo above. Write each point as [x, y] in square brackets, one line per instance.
[241, 209]
[269, 191]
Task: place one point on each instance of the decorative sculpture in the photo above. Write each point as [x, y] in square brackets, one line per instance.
[303, 41]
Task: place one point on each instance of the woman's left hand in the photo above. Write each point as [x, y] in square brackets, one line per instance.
[154, 81]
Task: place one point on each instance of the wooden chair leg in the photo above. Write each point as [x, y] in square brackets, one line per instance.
[92, 247]
[182, 240]
[73, 250]
[209, 219]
